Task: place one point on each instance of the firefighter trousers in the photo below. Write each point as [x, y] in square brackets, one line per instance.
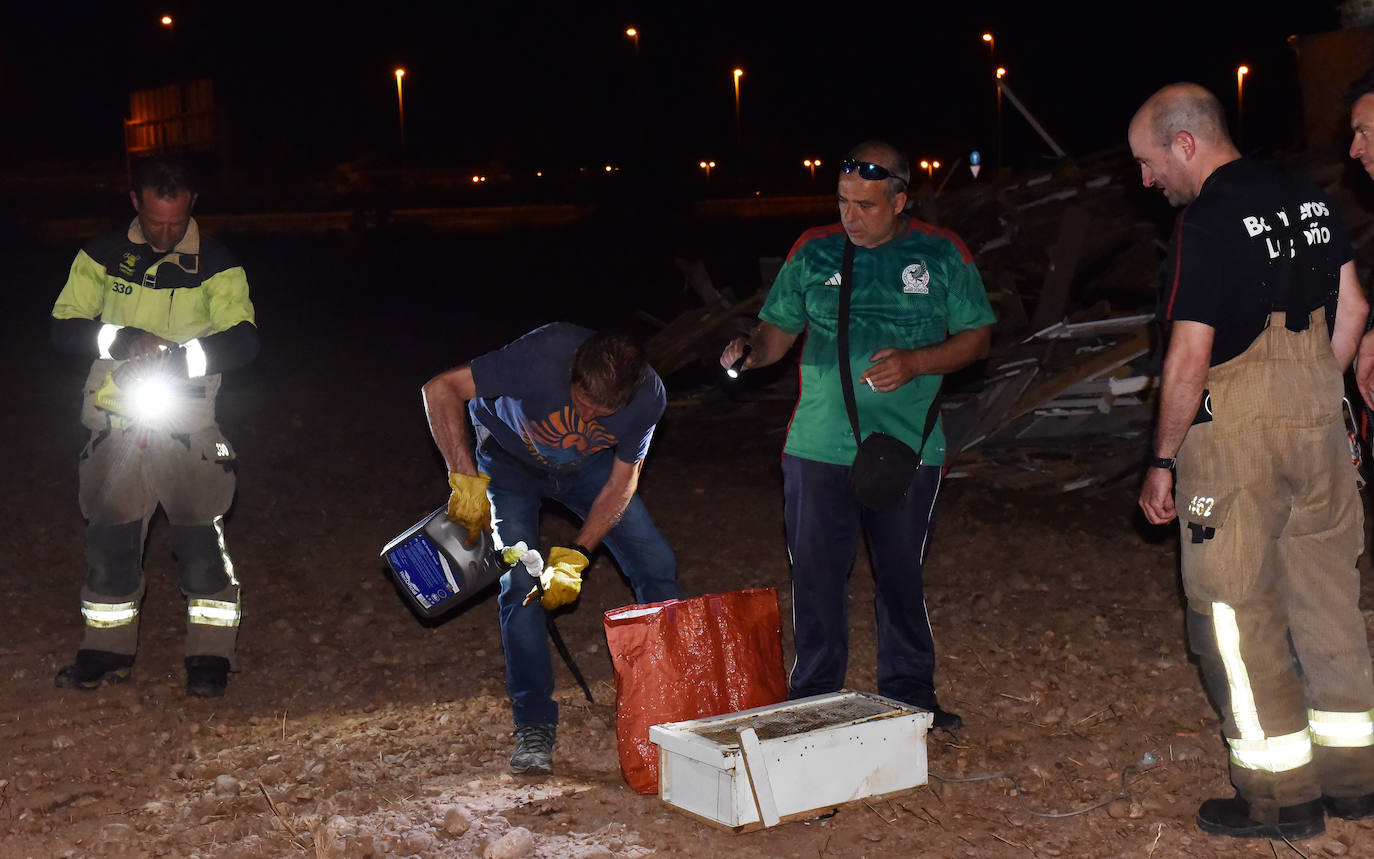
[1271, 526]
[124, 475]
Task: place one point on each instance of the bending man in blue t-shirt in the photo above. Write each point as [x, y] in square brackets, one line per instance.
[560, 413]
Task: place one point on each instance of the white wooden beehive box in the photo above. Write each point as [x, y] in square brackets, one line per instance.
[759, 767]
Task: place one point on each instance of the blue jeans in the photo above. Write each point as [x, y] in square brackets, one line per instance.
[823, 521]
[516, 492]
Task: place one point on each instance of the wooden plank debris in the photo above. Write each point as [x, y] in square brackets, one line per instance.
[1071, 263]
[1063, 263]
[674, 347]
[1122, 353]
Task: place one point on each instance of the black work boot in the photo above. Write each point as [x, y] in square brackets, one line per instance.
[1232, 817]
[207, 676]
[1350, 807]
[94, 667]
[945, 721]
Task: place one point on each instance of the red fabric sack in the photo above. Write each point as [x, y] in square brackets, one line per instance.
[687, 659]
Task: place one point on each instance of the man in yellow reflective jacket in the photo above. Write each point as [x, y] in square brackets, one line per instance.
[163, 311]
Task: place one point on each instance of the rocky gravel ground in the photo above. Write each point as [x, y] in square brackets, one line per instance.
[356, 730]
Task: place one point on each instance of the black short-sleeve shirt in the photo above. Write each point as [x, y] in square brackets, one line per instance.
[1228, 246]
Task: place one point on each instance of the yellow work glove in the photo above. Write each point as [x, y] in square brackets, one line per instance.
[468, 504]
[561, 581]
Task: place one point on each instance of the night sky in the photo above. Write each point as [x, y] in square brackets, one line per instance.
[536, 85]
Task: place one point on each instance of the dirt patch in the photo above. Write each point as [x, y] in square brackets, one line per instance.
[356, 730]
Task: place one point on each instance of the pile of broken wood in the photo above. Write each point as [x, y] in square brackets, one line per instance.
[1065, 400]
[1071, 260]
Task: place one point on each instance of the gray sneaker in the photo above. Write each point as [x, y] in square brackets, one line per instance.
[533, 749]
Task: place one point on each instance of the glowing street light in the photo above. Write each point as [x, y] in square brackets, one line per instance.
[813, 163]
[166, 21]
[737, 74]
[706, 165]
[930, 167]
[1241, 72]
[1000, 73]
[987, 37]
[634, 36]
[401, 112]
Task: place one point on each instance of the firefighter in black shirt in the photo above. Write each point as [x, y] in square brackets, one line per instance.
[1266, 314]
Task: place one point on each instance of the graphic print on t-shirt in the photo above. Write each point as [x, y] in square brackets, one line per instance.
[563, 438]
[1309, 214]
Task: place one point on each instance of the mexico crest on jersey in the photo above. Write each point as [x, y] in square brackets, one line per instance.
[916, 279]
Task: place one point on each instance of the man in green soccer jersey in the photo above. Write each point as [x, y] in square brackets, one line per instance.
[918, 311]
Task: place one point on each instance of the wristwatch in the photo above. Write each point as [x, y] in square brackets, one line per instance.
[1161, 462]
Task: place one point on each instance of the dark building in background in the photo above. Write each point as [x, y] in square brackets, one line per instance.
[176, 121]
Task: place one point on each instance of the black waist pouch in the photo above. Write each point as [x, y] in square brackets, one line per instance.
[883, 470]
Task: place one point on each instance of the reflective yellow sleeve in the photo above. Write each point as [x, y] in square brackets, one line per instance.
[83, 296]
[226, 299]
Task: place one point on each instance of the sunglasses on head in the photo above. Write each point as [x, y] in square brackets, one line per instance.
[868, 170]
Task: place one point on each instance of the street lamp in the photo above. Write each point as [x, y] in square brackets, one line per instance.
[706, 165]
[813, 163]
[1000, 73]
[401, 112]
[987, 37]
[166, 21]
[737, 73]
[1241, 72]
[930, 167]
[634, 36]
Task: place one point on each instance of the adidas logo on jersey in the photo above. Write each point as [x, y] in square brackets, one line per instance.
[834, 280]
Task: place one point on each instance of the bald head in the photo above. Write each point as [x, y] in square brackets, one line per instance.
[1185, 107]
[1179, 136]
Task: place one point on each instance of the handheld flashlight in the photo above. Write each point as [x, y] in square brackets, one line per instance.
[738, 367]
[151, 398]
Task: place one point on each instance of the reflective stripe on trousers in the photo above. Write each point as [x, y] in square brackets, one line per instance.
[212, 620]
[213, 612]
[1341, 730]
[218, 612]
[1252, 749]
[109, 615]
[218, 522]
